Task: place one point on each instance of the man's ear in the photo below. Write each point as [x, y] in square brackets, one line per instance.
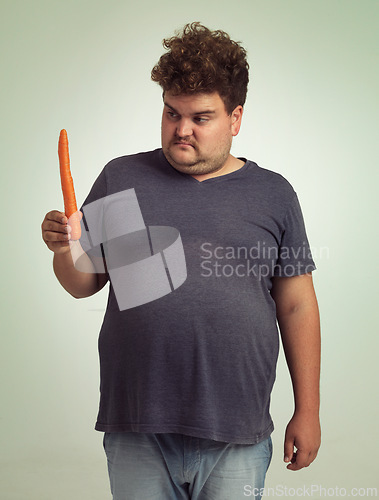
[236, 119]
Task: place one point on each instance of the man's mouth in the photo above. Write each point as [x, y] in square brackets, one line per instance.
[185, 144]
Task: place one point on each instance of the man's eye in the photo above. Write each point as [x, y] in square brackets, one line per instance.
[171, 114]
[199, 119]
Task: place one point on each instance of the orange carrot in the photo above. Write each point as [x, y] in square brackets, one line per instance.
[70, 207]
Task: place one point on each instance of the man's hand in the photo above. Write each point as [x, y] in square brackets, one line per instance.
[303, 432]
[56, 231]
[79, 283]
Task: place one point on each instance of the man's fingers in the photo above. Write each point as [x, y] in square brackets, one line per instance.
[56, 231]
[300, 460]
[53, 236]
[288, 450]
[57, 216]
[55, 225]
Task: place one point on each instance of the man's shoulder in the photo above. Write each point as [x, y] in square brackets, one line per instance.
[141, 158]
[269, 178]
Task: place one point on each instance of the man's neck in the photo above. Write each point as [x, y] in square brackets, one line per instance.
[231, 165]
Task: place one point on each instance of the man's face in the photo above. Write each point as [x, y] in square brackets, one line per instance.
[197, 132]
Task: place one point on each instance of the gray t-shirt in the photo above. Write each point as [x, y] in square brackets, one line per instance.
[201, 360]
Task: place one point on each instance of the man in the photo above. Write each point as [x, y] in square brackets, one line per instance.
[186, 379]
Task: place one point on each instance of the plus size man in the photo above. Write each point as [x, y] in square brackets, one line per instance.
[186, 378]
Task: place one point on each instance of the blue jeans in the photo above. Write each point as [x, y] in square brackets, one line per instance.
[178, 467]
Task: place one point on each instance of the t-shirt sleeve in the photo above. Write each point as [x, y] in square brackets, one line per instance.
[294, 256]
[94, 251]
[98, 190]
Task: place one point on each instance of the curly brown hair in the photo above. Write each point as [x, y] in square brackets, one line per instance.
[201, 60]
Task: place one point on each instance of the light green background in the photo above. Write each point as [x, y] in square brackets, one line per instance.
[311, 114]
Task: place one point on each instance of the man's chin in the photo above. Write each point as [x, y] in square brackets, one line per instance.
[180, 161]
[186, 168]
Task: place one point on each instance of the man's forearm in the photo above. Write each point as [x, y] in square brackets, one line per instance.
[79, 284]
[300, 332]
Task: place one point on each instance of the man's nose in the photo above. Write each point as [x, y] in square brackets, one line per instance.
[184, 128]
